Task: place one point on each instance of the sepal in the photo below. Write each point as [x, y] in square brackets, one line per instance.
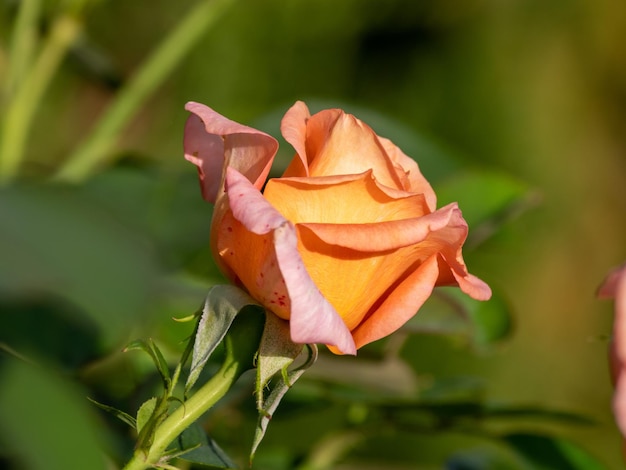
[276, 354]
[221, 306]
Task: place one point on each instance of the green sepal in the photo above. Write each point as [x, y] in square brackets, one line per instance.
[157, 357]
[267, 405]
[276, 353]
[125, 417]
[221, 306]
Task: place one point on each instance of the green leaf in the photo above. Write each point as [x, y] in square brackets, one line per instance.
[487, 200]
[145, 412]
[195, 446]
[46, 421]
[57, 243]
[268, 405]
[125, 417]
[547, 452]
[157, 357]
[221, 306]
[449, 311]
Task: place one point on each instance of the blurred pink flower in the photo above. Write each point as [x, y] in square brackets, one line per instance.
[614, 287]
[347, 244]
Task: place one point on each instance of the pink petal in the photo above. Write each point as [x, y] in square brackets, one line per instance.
[249, 206]
[213, 141]
[312, 318]
[615, 286]
[474, 287]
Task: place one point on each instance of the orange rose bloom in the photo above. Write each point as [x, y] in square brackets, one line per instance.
[347, 244]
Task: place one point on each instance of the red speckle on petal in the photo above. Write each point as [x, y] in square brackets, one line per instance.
[230, 229]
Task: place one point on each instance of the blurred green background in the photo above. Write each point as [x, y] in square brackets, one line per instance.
[516, 109]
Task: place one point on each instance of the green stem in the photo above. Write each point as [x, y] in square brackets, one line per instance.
[23, 42]
[163, 60]
[21, 109]
[186, 414]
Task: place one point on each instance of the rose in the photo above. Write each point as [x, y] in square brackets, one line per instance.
[614, 286]
[347, 245]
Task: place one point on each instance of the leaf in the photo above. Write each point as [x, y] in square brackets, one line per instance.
[449, 311]
[547, 452]
[195, 446]
[46, 421]
[157, 357]
[57, 243]
[269, 404]
[220, 309]
[146, 410]
[128, 419]
[487, 200]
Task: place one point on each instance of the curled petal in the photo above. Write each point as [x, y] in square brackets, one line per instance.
[213, 142]
[386, 236]
[249, 206]
[359, 200]
[474, 287]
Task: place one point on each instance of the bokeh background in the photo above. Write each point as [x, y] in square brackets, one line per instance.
[523, 101]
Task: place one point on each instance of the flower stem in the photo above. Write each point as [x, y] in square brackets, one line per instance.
[186, 414]
[241, 346]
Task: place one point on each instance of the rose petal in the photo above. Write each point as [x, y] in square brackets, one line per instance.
[359, 200]
[417, 182]
[312, 319]
[212, 141]
[401, 304]
[355, 266]
[386, 236]
[293, 129]
[355, 143]
[249, 206]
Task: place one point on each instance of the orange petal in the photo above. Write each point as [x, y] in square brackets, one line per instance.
[356, 279]
[355, 199]
[400, 305]
[415, 180]
[293, 128]
[349, 147]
